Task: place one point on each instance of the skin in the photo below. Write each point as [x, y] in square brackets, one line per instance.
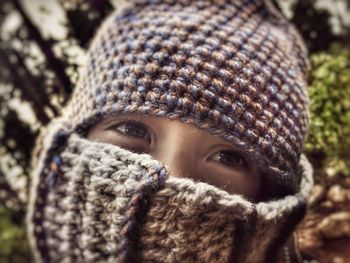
[184, 149]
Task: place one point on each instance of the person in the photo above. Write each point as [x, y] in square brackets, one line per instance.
[186, 150]
[182, 141]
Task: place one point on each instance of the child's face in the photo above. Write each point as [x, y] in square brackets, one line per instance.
[186, 150]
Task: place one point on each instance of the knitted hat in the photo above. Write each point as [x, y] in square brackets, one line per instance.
[237, 69]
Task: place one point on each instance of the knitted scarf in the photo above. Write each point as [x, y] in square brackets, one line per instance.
[103, 203]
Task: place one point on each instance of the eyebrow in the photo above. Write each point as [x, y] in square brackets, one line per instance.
[194, 130]
[111, 118]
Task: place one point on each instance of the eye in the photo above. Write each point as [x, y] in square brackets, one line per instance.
[229, 158]
[133, 129]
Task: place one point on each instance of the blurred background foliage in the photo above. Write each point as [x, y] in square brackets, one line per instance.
[42, 47]
[329, 133]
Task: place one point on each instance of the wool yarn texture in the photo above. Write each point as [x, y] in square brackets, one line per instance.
[237, 69]
[112, 205]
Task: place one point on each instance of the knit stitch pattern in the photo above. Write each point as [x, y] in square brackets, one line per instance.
[235, 68]
[86, 212]
[94, 214]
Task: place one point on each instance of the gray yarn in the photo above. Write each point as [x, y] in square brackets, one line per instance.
[86, 211]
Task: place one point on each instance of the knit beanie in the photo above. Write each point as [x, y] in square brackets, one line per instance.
[237, 69]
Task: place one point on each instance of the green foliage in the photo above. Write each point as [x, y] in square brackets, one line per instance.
[329, 135]
[14, 246]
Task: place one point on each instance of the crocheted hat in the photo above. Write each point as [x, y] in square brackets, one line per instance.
[235, 68]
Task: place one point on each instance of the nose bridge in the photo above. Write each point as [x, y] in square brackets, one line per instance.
[174, 150]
